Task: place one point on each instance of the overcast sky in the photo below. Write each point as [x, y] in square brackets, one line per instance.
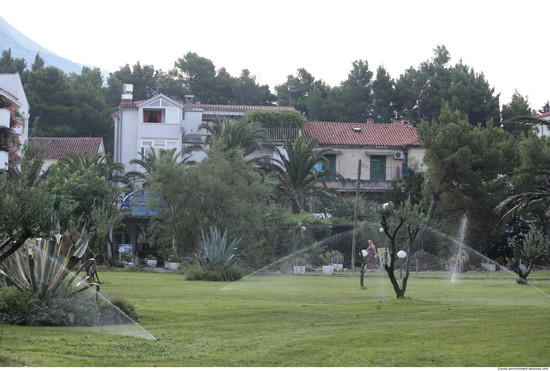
[506, 40]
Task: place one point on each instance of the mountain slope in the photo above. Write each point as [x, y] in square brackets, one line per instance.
[23, 47]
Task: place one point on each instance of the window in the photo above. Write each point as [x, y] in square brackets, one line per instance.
[331, 164]
[156, 146]
[152, 116]
[162, 112]
[377, 167]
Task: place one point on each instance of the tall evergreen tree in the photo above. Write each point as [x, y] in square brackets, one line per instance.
[8, 64]
[421, 93]
[518, 106]
[295, 90]
[383, 96]
[356, 93]
[465, 163]
[145, 80]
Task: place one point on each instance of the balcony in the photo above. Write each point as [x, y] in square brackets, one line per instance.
[365, 186]
[282, 134]
[5, 118]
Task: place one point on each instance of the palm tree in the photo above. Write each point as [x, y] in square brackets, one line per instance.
[540, 196]
[298, 175]
[249, 137]
[527, 200]
[149, 161]
[100, 164]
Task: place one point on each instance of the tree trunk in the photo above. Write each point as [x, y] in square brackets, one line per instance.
[433, 204]
[522, 279]
[110, 244]
[399, 290]
[13, 246]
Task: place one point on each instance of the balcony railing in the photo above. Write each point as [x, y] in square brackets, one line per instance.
[282, 134]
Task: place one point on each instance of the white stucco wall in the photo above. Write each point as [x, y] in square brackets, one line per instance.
[347, 161]
[416, 158]
[12, 85]
[192, 120]
[127, 126]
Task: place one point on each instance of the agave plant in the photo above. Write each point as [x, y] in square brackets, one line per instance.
[215, 252]
[48, 268]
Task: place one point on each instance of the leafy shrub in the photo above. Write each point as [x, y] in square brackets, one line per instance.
[197, 272]
[24, 307]
[126, 307]
[275, 119]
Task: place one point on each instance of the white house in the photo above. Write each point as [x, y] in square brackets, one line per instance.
[543, 129]
[14, 118]
[163, 123]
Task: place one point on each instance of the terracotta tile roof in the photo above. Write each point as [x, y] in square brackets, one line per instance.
[346, 134]
[543, 115]
[241, 108]
[217, 107]
[128, 104]
[57, 148]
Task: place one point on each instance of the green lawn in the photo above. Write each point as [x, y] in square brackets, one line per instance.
[302, 321]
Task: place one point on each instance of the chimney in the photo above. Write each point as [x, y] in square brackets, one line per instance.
[370, 120]
[189, 102]
[127, 94]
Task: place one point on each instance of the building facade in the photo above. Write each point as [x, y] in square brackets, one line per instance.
[161, 123]
[386, 150]
[542, 130]
[383, 152]
[14, 118]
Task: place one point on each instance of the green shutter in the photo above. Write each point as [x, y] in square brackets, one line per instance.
[377, 167]
[331, 162]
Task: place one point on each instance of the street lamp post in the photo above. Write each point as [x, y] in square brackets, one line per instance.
[401, 255]
[297, 268]
[364, 254]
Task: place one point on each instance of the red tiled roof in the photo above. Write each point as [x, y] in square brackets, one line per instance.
[346, 134]
[545, 114]
[242, 108]
[228, 107]
[57, 148]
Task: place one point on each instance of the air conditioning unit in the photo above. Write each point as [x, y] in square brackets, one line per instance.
[399, 155]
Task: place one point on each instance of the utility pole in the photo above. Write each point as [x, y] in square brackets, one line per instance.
[354, 239]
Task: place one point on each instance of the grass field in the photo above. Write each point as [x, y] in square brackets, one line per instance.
[292, 320]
